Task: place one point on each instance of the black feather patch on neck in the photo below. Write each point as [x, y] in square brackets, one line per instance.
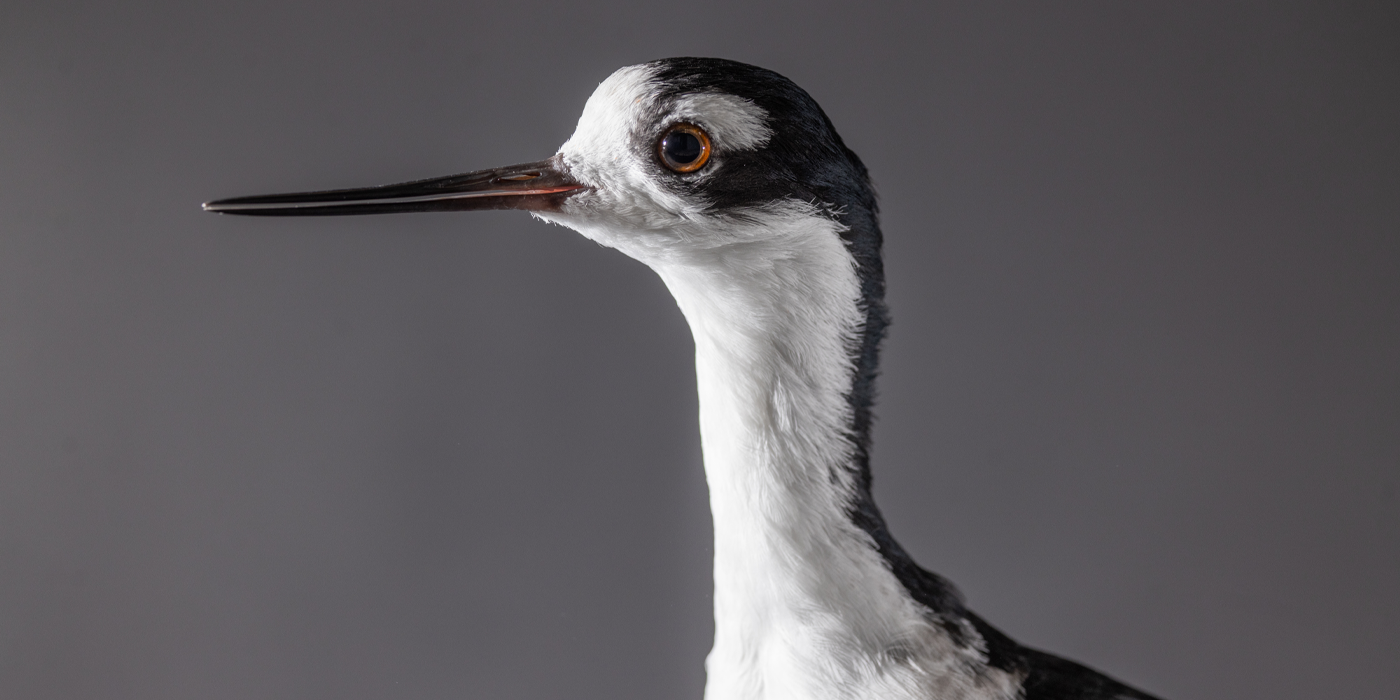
[805, 159]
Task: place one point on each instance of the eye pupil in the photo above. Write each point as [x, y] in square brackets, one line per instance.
[684, 148]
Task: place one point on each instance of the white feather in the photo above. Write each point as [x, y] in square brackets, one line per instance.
[805, 608]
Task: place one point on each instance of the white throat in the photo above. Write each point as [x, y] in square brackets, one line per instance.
[804, 607]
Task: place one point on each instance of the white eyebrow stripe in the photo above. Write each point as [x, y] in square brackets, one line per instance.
[735, 123]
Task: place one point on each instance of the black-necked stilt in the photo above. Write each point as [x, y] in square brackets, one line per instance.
[731, 183]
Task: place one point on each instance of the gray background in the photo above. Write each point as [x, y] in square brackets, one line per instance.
[1141, 399]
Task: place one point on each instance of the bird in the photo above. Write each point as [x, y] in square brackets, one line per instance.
[730, 182]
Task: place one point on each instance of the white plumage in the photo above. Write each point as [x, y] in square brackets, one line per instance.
[804, 605]
[763, 226]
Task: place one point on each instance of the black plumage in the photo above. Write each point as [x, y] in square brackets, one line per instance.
[806, 159]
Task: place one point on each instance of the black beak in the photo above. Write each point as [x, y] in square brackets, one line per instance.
[541, 186]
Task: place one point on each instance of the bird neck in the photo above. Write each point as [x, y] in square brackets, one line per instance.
[802, 596]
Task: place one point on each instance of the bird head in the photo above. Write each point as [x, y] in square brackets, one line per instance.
[670, 159]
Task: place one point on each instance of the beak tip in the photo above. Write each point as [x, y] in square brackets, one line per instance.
[221, 206]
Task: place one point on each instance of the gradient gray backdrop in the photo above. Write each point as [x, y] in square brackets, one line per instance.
[1141, 398]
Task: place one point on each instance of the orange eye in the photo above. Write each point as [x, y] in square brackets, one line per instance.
[684, 148]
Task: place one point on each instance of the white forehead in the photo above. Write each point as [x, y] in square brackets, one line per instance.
[624, 106]
[612, 152]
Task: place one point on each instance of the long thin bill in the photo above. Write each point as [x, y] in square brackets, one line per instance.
[540, 186]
